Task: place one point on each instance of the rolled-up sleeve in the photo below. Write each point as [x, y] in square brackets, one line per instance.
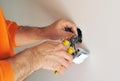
[12, 28]
[6, 71]
[7, 43]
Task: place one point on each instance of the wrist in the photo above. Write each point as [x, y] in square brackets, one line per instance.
[22, 64]
[43, 33]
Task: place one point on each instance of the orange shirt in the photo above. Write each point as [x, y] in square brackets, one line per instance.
[7, 43]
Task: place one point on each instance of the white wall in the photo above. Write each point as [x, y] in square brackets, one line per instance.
[99, 21]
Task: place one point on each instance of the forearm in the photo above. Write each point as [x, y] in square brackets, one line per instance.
[27, 35]
[23, 64]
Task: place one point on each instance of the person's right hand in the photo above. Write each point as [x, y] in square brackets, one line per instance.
[51, 56]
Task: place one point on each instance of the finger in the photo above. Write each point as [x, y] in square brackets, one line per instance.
[65, 55]
[53, 64]
[60, 46]
[60, 69]
[67, 35]
[71, 25]
[61, 60]
[64, 62]
[74, 29]
[57, 67]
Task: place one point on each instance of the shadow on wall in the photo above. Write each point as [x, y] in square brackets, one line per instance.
[53, 8]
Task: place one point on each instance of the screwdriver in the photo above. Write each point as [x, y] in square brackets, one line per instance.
[67, 43]
[70, 51]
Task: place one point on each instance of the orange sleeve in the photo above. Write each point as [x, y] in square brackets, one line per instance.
[12, 27]
[6, 72]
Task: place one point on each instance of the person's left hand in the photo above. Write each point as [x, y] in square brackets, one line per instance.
[57, 30]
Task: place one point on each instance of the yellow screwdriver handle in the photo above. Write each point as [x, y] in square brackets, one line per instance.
[56, 72]
[66, 43]
[70, 51]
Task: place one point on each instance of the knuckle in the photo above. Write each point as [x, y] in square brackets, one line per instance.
[65, 63]
[62, 19]
[67, 56]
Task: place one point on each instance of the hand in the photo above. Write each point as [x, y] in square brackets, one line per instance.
[51, 56]
[57, 29]
[53, 31]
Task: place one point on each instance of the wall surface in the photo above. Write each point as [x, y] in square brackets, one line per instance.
[99, 21]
